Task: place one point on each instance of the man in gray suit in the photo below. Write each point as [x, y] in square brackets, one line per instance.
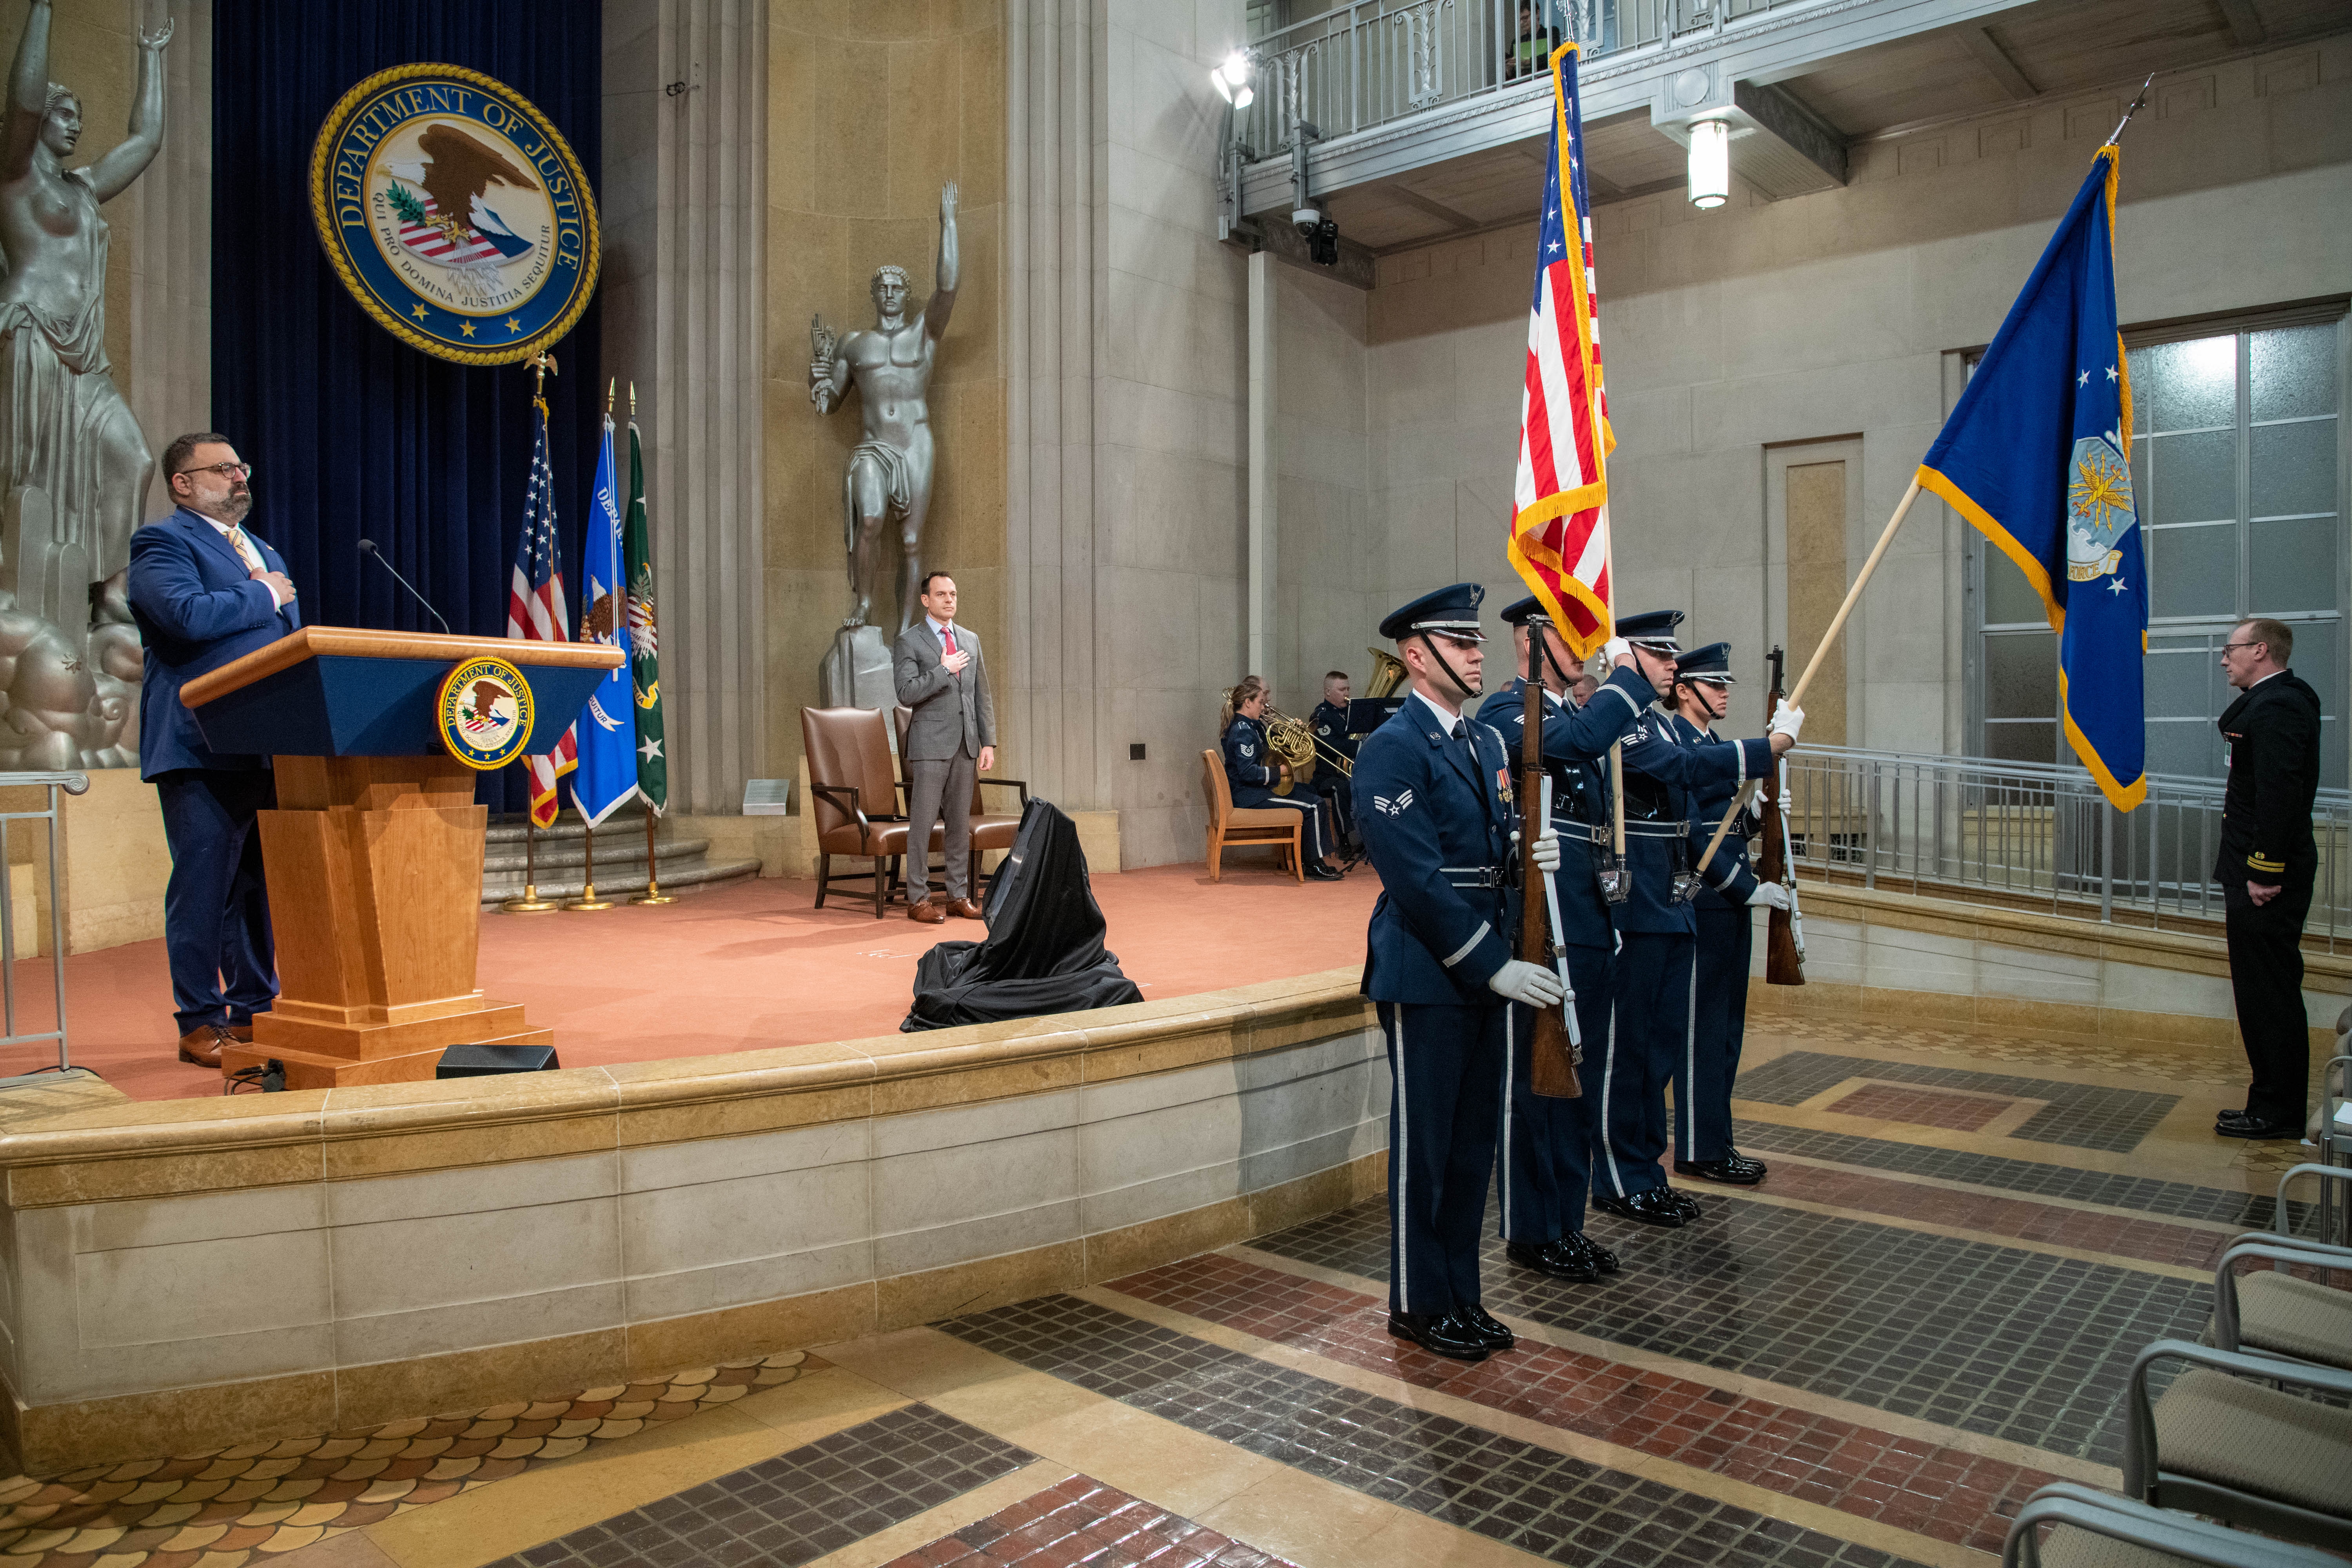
[951, 737]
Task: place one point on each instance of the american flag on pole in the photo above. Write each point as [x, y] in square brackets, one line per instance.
[1560, 522]
[536, 611]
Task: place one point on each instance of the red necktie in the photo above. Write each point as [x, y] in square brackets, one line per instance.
[947, 635]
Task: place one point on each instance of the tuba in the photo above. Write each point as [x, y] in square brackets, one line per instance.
[1387, 674]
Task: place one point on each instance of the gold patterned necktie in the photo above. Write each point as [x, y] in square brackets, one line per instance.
[245, 549]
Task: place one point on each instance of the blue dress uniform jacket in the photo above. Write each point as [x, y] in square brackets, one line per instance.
[1576, 742]
[1660, 772]
[1729, 877]
[2272, 731]
[1251, 768]
[1329, 722]
[197, 608]
[1435, 817]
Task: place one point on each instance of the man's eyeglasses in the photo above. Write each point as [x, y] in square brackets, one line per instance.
[226, 471]
[2228, 645]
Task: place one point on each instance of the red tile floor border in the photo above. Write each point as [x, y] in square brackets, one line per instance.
[1913, 1483]
[1082, 1521]
[1923, 1107]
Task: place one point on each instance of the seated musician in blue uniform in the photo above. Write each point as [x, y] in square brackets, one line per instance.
[1658, 930]
[1252, 773]
[1545, 1143]
[1724, 912]
[1334, 747]
[1440, 825]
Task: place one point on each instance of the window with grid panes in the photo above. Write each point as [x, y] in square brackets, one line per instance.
[2236, 470]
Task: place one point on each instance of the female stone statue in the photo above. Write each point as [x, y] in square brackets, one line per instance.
[73, 465]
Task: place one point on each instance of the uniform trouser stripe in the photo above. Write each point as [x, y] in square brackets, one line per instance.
[1444, 1114]
[1544, 1160]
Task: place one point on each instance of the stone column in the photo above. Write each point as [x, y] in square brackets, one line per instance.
[684, 286]
[1055, 272]
[170, 387]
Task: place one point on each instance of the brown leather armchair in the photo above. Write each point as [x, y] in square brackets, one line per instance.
[855, 797]
[989, 830]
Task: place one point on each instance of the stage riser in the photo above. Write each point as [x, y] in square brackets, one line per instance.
[320, 1261]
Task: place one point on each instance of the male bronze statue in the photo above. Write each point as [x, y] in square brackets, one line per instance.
[893, 466]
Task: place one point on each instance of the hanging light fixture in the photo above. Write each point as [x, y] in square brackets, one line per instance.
[1710, 163]
[1231, 79]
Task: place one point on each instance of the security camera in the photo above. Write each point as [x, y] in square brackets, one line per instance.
[1306, 220]
[1322, 242]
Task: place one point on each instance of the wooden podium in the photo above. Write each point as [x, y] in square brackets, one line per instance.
[375, 853]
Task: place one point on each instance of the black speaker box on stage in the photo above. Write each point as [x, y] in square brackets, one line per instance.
[488, 1061]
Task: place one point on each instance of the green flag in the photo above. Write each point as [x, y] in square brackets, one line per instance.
[645, 641]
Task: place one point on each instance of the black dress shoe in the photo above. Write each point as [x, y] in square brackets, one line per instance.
[1602, 1260]
[1554, 1259]
[2233, 1118]
[1443, 1333]
[1655, 1207]
[2258, 1129]
[1742, 1173]
[1476, 1322]
[1319, 872]
[1740, 1161]
[1686, 1203]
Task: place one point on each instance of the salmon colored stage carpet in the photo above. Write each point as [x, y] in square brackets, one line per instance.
[744, 967]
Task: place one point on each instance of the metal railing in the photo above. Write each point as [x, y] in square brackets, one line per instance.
[1367, 63]
[2036, 835]
[72, 784]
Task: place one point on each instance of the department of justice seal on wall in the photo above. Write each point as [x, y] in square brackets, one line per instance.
[455, 213]
[485, 712]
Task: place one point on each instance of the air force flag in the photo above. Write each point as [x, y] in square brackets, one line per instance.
[607, 774]
[2037, 456]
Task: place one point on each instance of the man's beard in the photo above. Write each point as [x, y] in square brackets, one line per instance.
[232, 508]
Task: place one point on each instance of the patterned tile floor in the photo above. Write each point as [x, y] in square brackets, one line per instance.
[1925, 1313]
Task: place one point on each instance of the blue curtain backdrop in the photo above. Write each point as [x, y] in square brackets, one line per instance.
[352, 434]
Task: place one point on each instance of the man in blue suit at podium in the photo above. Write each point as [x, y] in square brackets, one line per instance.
[204, 592]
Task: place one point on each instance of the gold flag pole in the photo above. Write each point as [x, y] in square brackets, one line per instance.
[542, 365]
[588, 898]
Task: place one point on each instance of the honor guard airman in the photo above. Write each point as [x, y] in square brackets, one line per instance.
[1439, 823]
[1658, 931]
[1723, 911]
[1546, 1142]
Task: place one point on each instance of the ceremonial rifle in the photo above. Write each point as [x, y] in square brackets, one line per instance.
[1784, 949]
[1552, 1058]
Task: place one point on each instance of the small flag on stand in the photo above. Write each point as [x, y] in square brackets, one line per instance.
[607, 727]
[1560, 522]
[2037, 456]
[645, 638]
[536, 611]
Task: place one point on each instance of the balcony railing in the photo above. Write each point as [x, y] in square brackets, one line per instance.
[2026, 834]
[1365, 64]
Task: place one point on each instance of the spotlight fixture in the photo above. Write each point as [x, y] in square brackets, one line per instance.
[1231, 79]
[1710, 163]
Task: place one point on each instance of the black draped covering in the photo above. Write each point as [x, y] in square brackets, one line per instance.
[353, 434]
[1044, 949]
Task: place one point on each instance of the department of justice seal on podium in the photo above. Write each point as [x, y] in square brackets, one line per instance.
[455, 213]
[485, 712]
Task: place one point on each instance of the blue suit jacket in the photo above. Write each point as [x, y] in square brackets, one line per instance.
[197, 609]
[1576, 742]
[1423, 806]
[1662, 771]
[1729, 877]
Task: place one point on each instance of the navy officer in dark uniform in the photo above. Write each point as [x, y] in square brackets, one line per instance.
[1435, 792]
[1329, 723]
[1724, 913]
[1252, 771]
[1658, 931]
[1545, 1143]
[2266, 863]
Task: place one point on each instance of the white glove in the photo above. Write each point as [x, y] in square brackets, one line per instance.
[1788, 720]
[1769, 896]
[1530, 983]
[1546, 854]
[1615, 648]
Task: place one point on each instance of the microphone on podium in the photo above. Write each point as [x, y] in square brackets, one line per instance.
[367, 547]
